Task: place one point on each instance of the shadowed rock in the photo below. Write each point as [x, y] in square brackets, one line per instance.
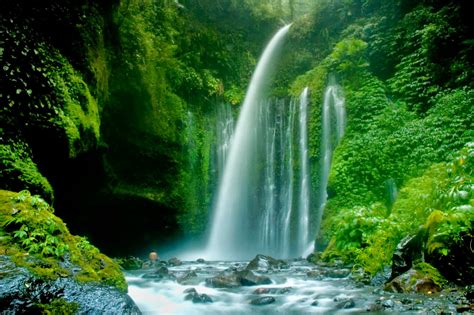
[264, 300]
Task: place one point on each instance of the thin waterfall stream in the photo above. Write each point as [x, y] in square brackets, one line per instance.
[333, 122]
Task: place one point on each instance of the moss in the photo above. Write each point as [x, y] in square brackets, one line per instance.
[430, 272]
[38, 240]
[18, 171]
[78, 113]
[59, 306]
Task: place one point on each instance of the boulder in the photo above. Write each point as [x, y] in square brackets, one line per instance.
[174, 262]
[264, 300]
[336, 273]
[21, 292]
[161, 273]
[262, 263]
[131, 263]
[345, 304]
[233, 278]
[408, 250]
[249, 278]
[412, 281]
[284, 290]
[226, 279]
[189, 277]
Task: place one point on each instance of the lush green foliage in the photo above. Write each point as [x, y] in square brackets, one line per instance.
[29, 229]
[409, 107]
[19, 171]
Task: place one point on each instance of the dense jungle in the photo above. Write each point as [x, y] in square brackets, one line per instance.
[151, 147]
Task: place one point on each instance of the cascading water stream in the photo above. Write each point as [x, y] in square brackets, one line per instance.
[333, 124]
[304, 222]
[234, 222]
[224, 131]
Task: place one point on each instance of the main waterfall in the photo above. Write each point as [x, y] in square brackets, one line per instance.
[236, 220]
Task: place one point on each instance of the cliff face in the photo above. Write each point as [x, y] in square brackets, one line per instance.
[95, 98]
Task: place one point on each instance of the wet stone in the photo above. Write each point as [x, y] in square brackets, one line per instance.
[315, 303]
[344, 303]
[188, 278]
[337, 273]
[202, 298]
[249, 278]
[264, 300]
[375, 308]
[284, 290]
[190, 290]
[200, 260]
[388, 304]
[174, 262]
[262, 263]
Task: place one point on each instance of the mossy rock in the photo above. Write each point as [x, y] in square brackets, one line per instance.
[38, 240]
[423, 278]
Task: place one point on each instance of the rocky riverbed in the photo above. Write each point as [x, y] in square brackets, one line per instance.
[268, 286]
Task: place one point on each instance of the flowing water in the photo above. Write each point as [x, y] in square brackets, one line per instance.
[304, 221]
[298, 288]
[223, 132]
[333, 124]
[237, 214]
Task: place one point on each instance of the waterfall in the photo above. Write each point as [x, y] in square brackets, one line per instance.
[223, 132]
[304, 223]
[236, 219]
[333, 124]
[287, 176]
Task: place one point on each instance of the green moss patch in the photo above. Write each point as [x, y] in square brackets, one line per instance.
[40, 241]
[18, 171]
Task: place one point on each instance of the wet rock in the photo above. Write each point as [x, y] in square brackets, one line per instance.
[174, 262]
[249, 278]
[161, 273]
[314, 274]
[336, 273]
[190, 277]
[195, 297]
[315, 303]
[426, 286]
[20, 292]
[464, 308]
[261, 291]
[201, 298]
[200, 260]
[375, 307]
[313, 257]
[262, 263]
[226, 279]
[388, 304]
[349, 303]
[264, 300]
[412, 281]
[381, 277]
[409, 249]
[344, 302]
[284, 290]
[190, 290]
[131, 263]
